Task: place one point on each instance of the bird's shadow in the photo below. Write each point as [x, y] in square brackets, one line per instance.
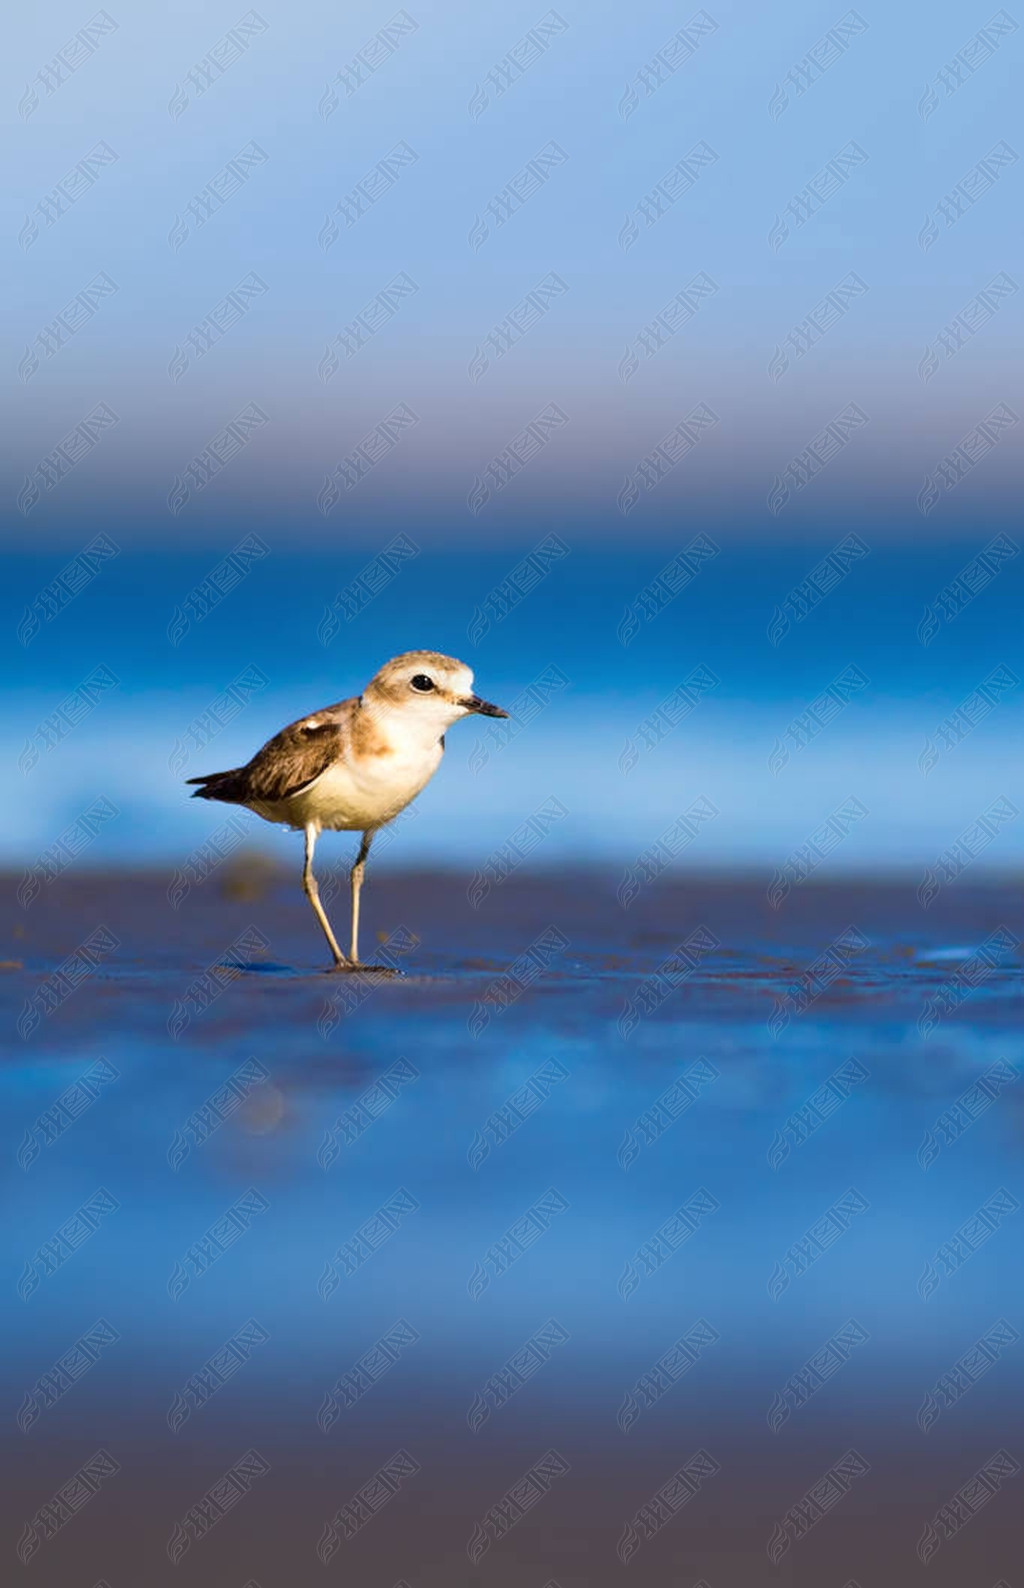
[253, 967]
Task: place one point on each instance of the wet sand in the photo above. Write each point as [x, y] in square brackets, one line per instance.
[665, 1244]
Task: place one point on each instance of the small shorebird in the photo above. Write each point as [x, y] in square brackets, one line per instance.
[354, 766]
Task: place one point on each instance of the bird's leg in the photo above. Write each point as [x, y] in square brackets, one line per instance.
[312, 893]
[357, 884]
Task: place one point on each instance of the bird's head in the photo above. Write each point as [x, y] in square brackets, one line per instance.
[437, 689]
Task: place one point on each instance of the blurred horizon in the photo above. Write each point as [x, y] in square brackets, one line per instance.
[635, 705]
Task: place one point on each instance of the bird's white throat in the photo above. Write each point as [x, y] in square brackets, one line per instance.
[415, 728]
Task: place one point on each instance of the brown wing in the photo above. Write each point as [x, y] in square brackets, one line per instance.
[293, 758]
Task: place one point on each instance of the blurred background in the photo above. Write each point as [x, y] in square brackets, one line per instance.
[241, 243]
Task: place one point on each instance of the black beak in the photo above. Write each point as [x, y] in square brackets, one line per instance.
[482, 707]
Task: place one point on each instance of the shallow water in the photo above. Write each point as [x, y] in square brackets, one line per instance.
[530, 1243]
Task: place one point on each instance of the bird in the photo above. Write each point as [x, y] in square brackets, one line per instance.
[354, 766]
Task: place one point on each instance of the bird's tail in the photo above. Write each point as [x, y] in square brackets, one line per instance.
[225, 786]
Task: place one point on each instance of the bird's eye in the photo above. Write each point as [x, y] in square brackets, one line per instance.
[422, 683]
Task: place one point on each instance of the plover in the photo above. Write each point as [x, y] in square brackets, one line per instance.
[354, 766]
